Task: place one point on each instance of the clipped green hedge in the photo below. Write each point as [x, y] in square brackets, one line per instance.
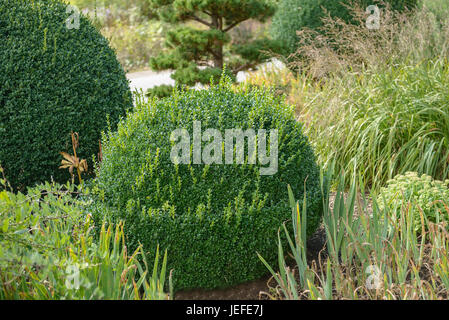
[213, 219]
[293, 15]
[53, 80]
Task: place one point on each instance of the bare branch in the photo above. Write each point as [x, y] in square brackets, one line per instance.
[213, 53]
[232, 25]
[194, 17]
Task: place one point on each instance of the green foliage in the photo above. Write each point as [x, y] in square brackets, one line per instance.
[48, 250]
[199, 54]
[374, 121]
[384, 122]
[213, 219]
[54, 80]
[429, 197]
[295, 15]
[440, 8]
[368, 257]
[161, 91]
[383, 97]
[135, 43]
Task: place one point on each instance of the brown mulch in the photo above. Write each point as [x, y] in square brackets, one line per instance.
[244, 291]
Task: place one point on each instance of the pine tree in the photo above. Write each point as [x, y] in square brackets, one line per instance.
[199, 54]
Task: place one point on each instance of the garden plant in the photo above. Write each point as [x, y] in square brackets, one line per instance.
[323, 179]
[49, 250]
[212, 218]
[366, 256]
[296, 15]
[56, 77]
[428, 196]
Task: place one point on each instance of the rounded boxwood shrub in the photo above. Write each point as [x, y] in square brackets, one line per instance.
[426, 195]
[294, 15]
[54, 78]
[213, 218]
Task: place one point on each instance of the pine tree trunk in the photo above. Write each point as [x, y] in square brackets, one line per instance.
[218, 61]
[218, 57]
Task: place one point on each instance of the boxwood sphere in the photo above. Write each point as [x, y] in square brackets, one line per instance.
[53, 79]
[213, 219]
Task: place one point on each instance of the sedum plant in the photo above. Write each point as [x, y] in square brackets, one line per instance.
[429, 197]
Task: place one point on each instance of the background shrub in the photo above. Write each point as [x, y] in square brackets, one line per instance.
[295, 15]
[53, 80]
[124, 23]
[426, 194]
[211, 218]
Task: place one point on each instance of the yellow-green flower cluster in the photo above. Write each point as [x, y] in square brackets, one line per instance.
[423, 193]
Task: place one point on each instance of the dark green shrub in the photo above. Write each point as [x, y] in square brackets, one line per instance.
[294, 15]
[53, 80]
[212, 218]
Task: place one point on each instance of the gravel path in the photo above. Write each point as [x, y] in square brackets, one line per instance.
[145, 80]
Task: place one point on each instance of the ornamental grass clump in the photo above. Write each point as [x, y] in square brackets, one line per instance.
[296, 16]
[383, 124]
[212, 218]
